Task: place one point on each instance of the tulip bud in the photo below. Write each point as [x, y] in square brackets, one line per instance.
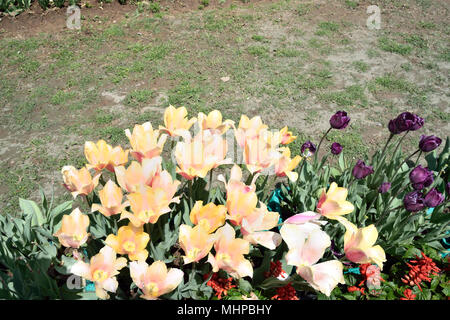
[385, 186]
[339, 120]
[421, 177]
[429, 143]
[336, 148]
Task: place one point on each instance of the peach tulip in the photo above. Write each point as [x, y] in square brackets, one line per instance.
[196, 242]
[216, 148]
[249, 129]
[255, 226]
[241, 199]
[259, 154]
[209, 216]
[111, 200]
[102, 270]
[79, 182]
[359, 244]
[333, 204]
[73, 231]
[230, 253]
[154, 280]
[145, 142]
[176, 122]
[101, 155]
[131, 241]
[138, 174]
[307, 244]
[213, 122]
[149, 203]
[192, 159]
[284, 165]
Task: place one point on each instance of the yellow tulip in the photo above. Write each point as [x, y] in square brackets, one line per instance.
[102, 270]
[145, 142]
[230, 253]
[210, 216]
[73, 231]
[138, 174]
[176, 121]
[131, 241]
[333, 204]
[192, 159]
[154, 280]
[255, 226]
[79, 181]
[101, 155]
[287, 136]
[249, 129]
[359, 244]
[149, 203]
[213, 122]
[111, 200]
[196, 242]
[284, 165]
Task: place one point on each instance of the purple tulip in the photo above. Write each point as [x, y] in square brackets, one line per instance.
[339, 120]
[414, 201]
[385, 186]
[429, 143]
[393, 127]
[408, 121]
[421, 177]
[360, 170]
[433, 198]
[308, 145]
[336, 148]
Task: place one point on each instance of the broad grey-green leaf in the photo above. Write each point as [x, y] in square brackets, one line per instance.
[30, 208]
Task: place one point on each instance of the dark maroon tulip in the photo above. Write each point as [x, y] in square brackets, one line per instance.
[393, 127]
[339, 120]
[429, 143]
[360, 170]
[310, 146]
[408, 121]
[421, 177]
[385, 186]
[336, 148]
[414, 201]
[433, 198]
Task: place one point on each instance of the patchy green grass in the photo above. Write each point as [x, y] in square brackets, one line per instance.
[292, 62]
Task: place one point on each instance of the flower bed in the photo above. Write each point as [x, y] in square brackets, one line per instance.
[190, 212]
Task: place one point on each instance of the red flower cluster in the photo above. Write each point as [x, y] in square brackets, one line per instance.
[355, 288]
[275, 269]
[219, 285]
[420, 270]
[408, 295]
[285, 293]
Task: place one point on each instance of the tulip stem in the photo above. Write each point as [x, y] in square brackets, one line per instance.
[404, 161]
[387, 142]
[400, 142]
[320, 143]
[191, 194]
[210, 181]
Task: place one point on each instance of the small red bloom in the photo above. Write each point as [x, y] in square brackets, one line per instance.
[219, 285]
[408, 295]
[420, 270]
[285, 293]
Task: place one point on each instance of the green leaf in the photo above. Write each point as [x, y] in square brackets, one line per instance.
[30, 209]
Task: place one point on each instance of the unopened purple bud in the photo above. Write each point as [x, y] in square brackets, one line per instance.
[336, 148]
[429, 143]
[339, 120]
[385, 186]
